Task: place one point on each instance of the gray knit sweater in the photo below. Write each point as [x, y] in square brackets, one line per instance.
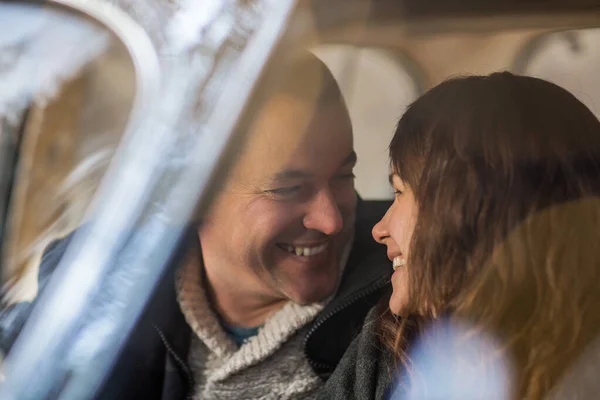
[270, 365]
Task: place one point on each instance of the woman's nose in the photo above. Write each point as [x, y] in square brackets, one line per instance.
[380, 230]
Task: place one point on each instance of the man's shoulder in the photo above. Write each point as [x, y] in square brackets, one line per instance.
[52, 256]
[13, 317]
[143, 354]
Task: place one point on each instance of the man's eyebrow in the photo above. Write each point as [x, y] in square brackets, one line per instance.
[291, 174]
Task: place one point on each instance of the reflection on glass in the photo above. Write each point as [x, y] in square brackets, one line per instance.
[67, 88]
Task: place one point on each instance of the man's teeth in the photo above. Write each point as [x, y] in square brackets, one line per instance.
[306, 251]
[398, 262]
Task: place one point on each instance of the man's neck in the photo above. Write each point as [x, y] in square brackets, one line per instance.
[236, 309]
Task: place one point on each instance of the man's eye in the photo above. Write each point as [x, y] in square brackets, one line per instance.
[285, 191]
[346, 176]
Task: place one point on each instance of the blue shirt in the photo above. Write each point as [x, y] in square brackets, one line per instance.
[240, 335]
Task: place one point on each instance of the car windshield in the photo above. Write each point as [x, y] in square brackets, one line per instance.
[122, 124]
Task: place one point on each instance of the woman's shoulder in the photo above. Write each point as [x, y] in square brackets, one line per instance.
[366, 369]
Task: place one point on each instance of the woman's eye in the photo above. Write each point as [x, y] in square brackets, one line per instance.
[397, 192]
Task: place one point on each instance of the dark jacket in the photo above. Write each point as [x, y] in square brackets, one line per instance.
[153, 362]
[367, 369]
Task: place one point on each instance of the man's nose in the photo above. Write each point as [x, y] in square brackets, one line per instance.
[324, 214]
[380, 231]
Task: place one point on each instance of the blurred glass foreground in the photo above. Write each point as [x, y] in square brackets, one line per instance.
[123, 121]
[78, 77]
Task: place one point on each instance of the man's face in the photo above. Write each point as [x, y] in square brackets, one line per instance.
[280, 227]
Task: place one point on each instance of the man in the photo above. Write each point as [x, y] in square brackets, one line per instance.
[267, 300]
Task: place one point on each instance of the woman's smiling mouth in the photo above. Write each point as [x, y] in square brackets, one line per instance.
[398, 262]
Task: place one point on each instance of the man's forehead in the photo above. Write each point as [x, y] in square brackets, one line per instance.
[287, 134]
[292, 173]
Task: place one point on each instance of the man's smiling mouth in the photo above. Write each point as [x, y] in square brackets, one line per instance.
[303, 251]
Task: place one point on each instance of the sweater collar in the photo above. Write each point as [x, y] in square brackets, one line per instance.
[277, 330]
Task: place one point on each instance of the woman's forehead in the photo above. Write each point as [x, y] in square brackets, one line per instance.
[394, 177]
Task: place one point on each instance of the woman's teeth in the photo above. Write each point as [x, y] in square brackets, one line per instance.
[306, 251]
[398, 262]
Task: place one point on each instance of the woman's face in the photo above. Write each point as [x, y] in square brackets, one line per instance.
[395, 231]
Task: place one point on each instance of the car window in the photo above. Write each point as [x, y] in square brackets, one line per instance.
[135, 146]
[568, 58]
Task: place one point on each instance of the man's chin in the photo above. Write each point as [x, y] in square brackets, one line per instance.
[311, 295]
[310, 281]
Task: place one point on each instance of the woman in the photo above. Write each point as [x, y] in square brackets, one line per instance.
[496, 225]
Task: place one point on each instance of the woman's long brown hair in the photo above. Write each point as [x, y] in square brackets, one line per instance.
[484, 155]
